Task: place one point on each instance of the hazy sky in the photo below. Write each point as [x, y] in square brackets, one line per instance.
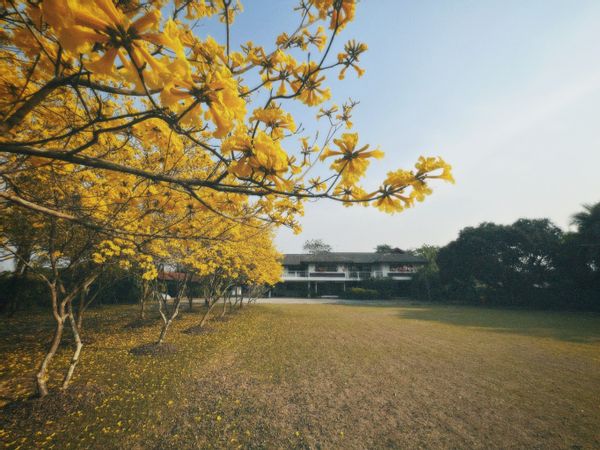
[508, 92]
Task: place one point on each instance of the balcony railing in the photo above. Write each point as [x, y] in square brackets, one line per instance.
[402, 272]
[327, 275]
[359, 275]
[351, 275]
[295, 274]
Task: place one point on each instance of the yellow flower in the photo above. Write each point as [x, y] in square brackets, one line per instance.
[319, 38]
[83, 26]
[276, 119]
[341, 11]
[352, 163]
[308, 84]
[350, 57]
[350, 194]
[218, 89]
[430, 164]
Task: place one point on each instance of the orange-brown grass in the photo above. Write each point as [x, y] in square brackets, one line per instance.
[315, 376]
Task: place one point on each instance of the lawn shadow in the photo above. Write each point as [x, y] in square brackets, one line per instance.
[154, 349]
[199, 330]
[55, 406]
[580, 327]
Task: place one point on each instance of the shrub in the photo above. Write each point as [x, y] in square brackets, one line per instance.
[362, 294]
[21, 292]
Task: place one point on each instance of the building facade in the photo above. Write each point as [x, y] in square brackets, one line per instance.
[333, 273]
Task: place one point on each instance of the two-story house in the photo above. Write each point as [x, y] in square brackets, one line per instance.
[332, 273]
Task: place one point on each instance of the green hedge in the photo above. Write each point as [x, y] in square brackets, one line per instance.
[357, 293]
[21, 293]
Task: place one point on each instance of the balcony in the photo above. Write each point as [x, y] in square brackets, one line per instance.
[398, 273]
[327, 275]
[404, 273]
[294, 274]
[359, 275]
[317, 276]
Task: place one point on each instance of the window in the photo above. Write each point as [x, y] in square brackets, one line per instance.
[326, 268]
[402, 268]
[360, 268]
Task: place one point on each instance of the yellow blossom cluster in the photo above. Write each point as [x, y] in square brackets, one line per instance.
[130, 89]
[130, 142]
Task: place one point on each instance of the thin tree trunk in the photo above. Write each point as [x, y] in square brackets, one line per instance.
[206, 314]
[167, 321]
[82, 298]
[143, 299]
[58, 311]
[78, 347]
[163, 310]
[224, 307]
[163, 331]
[42, 374]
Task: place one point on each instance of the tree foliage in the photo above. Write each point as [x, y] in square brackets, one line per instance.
[316, 247]
[531, 263]
[137, 109]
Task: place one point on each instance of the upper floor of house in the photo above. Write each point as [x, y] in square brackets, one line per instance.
[350, 266]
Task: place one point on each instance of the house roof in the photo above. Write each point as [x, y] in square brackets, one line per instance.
[175, 276]
[294, 259]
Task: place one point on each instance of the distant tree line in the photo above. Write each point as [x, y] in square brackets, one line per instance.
[530, 263]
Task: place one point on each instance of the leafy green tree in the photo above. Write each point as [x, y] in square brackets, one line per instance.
[588, 235]
[579, 261]
[426, 282]
[316, 247]
[514, 264]
[384, 248]
[430, 253]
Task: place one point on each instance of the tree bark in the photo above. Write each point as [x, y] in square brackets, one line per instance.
[42, 374]
[167, 321]
[163, 331]
[60, 315]
[143, 299]
[224, 307]
[78, 347]
[82, 306]
[206, 314]
[170, 316]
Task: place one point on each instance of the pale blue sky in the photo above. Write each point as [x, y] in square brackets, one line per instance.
[508, 92]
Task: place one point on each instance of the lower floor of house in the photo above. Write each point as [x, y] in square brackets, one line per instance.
[312, 289]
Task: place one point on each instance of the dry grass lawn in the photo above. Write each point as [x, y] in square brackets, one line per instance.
[317, 376]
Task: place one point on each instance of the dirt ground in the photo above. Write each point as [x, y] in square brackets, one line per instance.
[317, 376]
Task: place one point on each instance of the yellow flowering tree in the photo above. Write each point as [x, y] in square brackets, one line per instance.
[173, 148]
[245, 256]
[128, 88]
